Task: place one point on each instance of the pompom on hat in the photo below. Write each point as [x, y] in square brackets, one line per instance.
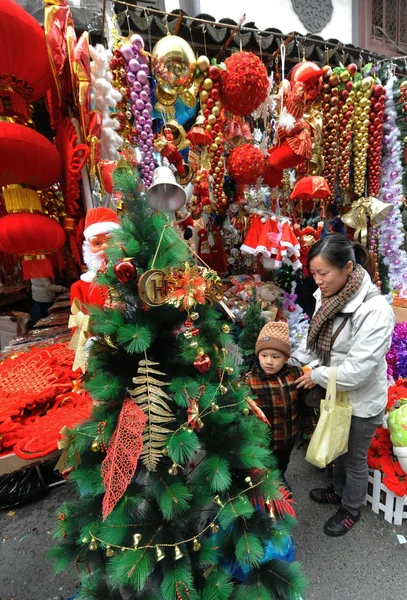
[100, 220]
[274, 336]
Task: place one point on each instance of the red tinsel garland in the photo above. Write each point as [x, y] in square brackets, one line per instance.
[244, 84]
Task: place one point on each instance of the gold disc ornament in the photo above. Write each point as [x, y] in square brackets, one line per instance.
[173, 64]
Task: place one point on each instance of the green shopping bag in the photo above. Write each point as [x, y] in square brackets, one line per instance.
[331, 435]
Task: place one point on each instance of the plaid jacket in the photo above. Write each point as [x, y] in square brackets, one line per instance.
[278, 398]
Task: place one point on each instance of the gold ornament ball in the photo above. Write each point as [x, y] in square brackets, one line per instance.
[225, 328]
[95, 446]
[208, 128]
[122, 73]
[173, 64]
[212, 120]
[367, 83]
[217, 170]
[216, 111]
[246, 412]
[345, 76]
[204, 96]
[214, 147]
[208, 84]
[203, 63]
[218, 140]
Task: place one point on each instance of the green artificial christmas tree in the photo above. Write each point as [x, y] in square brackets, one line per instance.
[253, 323]
[178, 496]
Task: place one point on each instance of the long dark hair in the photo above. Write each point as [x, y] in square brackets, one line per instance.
[336, 249]
[365, 259]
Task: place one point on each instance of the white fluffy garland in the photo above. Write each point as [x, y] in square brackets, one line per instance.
[105, 98]
[391, 234]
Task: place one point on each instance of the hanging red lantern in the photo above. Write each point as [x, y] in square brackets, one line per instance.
[33, 237]
[27, 157]
[24, 63]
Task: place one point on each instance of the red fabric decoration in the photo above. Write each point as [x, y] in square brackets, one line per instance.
[311, 188]
[198, 136]
[40, 434]
[31, 235]
[24, 53]
[123, 452]
[33, 379]
[244, 84]
[89, 293]
[27, 157]
[74, 158]
[246, 164]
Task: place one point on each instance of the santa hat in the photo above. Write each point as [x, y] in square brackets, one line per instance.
[274, 336]
[100, 220]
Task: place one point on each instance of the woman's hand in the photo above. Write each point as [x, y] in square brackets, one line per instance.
[305, 381]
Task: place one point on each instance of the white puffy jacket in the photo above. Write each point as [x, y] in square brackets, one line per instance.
[359, 352]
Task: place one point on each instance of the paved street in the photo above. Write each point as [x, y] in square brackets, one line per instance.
[367, 564]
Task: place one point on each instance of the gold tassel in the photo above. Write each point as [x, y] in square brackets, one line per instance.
[20, 199]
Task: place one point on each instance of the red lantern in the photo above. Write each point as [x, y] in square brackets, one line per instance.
[24, 63]
[27, 157]
[33, 237]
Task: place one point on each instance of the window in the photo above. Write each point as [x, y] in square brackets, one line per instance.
[383, 26]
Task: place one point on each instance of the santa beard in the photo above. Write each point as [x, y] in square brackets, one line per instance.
[92, 261]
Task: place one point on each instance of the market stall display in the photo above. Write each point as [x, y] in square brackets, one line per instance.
[197, 178]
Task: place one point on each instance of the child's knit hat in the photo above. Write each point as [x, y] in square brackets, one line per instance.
[274, 336]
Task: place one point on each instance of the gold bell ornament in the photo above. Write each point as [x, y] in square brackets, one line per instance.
[356, 218]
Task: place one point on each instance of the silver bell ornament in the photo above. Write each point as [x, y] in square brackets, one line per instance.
[165, 194]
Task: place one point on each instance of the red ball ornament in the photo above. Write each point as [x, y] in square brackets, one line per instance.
[214, 72]
[244, 83]
[246, 164]
[202, 363]
[125, 271]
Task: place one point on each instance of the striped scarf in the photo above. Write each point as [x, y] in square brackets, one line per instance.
[321, 327]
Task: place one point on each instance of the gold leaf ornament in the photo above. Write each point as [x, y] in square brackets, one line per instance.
[153, 400]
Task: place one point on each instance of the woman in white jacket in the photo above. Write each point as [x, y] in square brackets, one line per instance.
[351, 329]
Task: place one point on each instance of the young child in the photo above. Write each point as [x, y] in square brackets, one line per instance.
[273, 383]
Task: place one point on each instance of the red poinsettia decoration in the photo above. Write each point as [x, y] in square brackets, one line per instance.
[396, 392]
[186, 289]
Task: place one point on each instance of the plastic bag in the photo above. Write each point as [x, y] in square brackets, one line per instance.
[330, 438]
[20, 487]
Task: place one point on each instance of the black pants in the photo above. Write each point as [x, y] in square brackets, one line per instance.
[283, 457]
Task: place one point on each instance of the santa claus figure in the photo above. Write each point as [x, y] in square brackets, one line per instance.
[99, 224]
